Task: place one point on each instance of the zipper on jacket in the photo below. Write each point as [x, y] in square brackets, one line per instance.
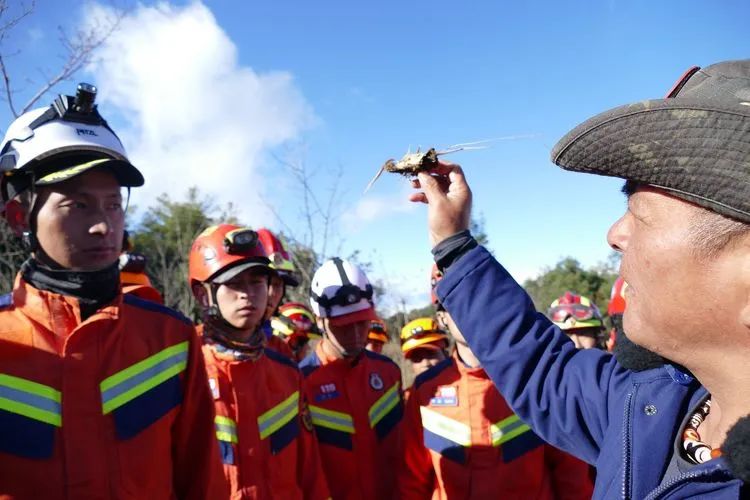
[663, 488]
[626, 448]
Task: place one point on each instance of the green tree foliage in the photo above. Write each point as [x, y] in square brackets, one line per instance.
[569, 275]
[476, 226]
[12, 255]
[165, 235]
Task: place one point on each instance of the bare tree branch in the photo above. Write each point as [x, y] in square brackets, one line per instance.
[79, 50]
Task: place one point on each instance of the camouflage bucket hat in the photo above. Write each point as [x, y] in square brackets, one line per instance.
[694, 143]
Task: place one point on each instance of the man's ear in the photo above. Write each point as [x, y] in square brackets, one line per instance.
[201, 294]
[16, 215]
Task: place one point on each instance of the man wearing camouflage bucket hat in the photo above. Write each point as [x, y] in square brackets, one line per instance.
[671, 428]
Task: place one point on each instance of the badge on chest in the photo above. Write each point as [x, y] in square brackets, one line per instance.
[445, 395]
[376, 382]
[326, 392]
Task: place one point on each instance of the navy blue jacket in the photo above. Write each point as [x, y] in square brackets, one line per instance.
[583, 401]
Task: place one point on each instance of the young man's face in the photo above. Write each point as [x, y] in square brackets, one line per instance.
[79, 222]
[423, 359]
[375, 346]
[349, 340]
[677, 300]
[275, 294]
[583, 338]
[242, 300]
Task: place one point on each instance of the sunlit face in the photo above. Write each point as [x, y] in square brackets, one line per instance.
[79, 222]
[375, 346]
[347, 340]
[242, 300]
[583, 338]
[678, 301]
[423, 359]
[446, 321]
[275, 294]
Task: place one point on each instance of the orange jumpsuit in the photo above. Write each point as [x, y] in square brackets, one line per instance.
[115, 406]
[356, 410]
[461, 440]
[263, 428]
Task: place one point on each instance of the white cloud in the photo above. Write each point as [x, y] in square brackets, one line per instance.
[193, 115]
[374, 207]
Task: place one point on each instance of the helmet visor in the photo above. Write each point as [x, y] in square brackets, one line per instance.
[580, 312]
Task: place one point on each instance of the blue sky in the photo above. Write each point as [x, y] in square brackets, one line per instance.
[235, 85]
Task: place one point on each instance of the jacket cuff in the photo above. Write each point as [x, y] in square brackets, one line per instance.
[448, 251]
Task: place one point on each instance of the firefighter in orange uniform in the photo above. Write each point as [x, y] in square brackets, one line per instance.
[133, 277]
[424, 344]
[102, 395]
[295, 325]
[354, 394]
[262, 424]
[285, 274]
[462, 440]
[377, 336]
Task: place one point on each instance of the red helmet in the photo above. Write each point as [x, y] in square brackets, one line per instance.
[573, 311]
[221, 252]
[378, 332]
[435, 276]
[300, 321]
[280, 257]
[617, 299]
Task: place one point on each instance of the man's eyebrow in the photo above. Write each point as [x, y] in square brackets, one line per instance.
[630, 187]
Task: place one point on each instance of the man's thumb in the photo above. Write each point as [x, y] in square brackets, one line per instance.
[429, 184]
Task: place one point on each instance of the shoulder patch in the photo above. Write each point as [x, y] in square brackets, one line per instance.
[280, 358]
[432, 372]
[309, 364]
[6, 300]
[154, 307]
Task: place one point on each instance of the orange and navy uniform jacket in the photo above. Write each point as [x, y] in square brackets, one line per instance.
[461, 440]
[145, 292]
[356, 410]
[275, 342]
[263, 428]
[114, 406]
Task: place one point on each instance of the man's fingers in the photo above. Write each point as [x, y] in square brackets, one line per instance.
[445, 167]
[418, 197]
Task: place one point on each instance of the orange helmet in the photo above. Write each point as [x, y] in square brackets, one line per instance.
[422, 333]
[378, 332]
[221, 252]
[435, 276]
[572, 311]
[295, 319]
[280, 257]
[617, 299]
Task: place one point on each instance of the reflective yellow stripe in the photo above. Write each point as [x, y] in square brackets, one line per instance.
[507, 429]
[68, 172]
[226, 429]
[445, 427]
[330, 419]
[384, 404]
[278, 416]
[128, 384]
[30, 399]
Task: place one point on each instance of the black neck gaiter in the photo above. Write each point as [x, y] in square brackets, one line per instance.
[93, 289]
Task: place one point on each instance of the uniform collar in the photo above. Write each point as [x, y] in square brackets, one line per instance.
[56, 312]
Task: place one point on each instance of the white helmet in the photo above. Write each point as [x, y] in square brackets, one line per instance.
[70, 127]
[340, 288]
